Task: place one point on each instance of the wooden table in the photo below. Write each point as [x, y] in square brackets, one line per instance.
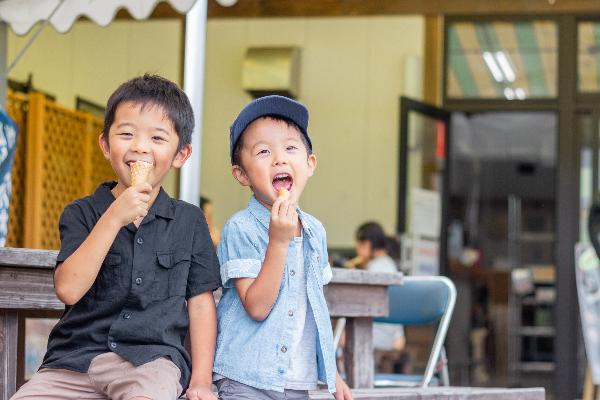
[26, 283]
[359, 296]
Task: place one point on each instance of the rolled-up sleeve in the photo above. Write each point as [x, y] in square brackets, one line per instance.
[239, 257]
[204, 270]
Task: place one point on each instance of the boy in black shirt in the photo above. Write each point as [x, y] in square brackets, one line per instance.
[136, 268]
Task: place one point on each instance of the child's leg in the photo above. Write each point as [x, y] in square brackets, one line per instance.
[52, 384]
[232, 390]
[121, 380]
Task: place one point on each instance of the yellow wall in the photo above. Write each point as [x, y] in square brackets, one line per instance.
[91, 61]
[352, 75]
[353, 71]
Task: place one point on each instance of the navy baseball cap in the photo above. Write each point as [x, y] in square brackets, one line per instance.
[277, 106]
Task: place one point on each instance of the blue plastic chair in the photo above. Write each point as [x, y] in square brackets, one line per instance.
[421, 300]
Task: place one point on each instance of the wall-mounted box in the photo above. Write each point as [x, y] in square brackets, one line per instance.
[271, 70]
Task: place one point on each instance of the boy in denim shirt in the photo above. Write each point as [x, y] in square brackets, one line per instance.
[274, 333]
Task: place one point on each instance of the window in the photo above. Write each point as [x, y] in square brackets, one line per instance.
[502, 59]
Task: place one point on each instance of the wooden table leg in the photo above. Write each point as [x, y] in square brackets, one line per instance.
[9, 326]
[358, 354]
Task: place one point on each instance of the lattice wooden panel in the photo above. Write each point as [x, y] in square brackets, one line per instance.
[16, 107]
[63, 163]
[100, 170]
[63, 157]
[57, 160]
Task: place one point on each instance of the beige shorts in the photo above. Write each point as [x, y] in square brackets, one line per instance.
[109, 377]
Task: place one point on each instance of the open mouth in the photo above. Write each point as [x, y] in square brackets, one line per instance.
[282, 181]
[130, 162]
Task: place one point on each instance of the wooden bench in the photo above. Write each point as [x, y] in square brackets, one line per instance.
[26, 283]
[447, 393]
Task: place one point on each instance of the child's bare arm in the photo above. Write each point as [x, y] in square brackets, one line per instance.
[203, 336]
[258, 295]
[74, 277]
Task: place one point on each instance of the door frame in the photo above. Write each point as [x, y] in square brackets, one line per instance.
[408, 105]
[567, 343]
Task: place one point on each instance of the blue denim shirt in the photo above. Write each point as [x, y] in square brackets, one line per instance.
[256, 353]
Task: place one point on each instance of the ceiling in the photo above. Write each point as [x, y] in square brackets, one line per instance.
[516, 60]
[513, 60]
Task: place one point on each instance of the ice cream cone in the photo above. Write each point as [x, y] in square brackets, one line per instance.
[140, 171]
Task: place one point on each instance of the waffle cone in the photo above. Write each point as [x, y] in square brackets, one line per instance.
[140, 171]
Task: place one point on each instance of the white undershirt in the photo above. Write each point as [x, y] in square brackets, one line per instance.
[385, 335]
[302, 371]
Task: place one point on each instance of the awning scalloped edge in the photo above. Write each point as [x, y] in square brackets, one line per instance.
[22, 15]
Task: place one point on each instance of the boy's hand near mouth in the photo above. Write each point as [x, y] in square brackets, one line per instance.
[283, 219]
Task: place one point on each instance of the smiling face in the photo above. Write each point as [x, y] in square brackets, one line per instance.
[273, 156]
[142, 133]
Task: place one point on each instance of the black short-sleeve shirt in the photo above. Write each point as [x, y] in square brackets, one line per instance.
[137, 305]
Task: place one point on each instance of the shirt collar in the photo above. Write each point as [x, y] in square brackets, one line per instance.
[263, 215]
[103, 198]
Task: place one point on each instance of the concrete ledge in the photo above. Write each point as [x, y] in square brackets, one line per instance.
[446, 393]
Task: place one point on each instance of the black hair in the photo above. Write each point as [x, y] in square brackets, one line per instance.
[373, 233]
[237, 150]
[154, 90]
[204, 201]
[393, 247]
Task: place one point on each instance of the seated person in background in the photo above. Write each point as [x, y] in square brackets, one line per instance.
[372, 255]
[372, 249]
[207, 208]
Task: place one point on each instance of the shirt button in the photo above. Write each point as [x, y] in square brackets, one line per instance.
[113, 345]
[283, 349]
[292, 273]
[140, 240]
[126, 316]
[291, 313]
[281, 370]
[138, 281]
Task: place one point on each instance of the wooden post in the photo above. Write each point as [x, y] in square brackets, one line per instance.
[358, 355]
[9, 326]
[434, 63]
[88, 162]
[34, 163]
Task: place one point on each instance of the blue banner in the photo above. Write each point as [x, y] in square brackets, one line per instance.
[8, 145]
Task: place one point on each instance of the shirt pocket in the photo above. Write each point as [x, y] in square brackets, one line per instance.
[172, 272]
[108, 280]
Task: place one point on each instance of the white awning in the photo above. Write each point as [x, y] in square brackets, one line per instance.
[22, 15]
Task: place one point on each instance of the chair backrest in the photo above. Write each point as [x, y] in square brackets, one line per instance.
[419, 300]
[423, 300]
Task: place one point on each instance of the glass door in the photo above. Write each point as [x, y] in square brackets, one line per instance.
[423, 177]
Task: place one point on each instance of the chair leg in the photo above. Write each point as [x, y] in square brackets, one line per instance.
[339, 329]
[445, 375]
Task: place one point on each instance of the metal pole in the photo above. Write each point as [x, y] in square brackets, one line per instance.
[193, 84]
